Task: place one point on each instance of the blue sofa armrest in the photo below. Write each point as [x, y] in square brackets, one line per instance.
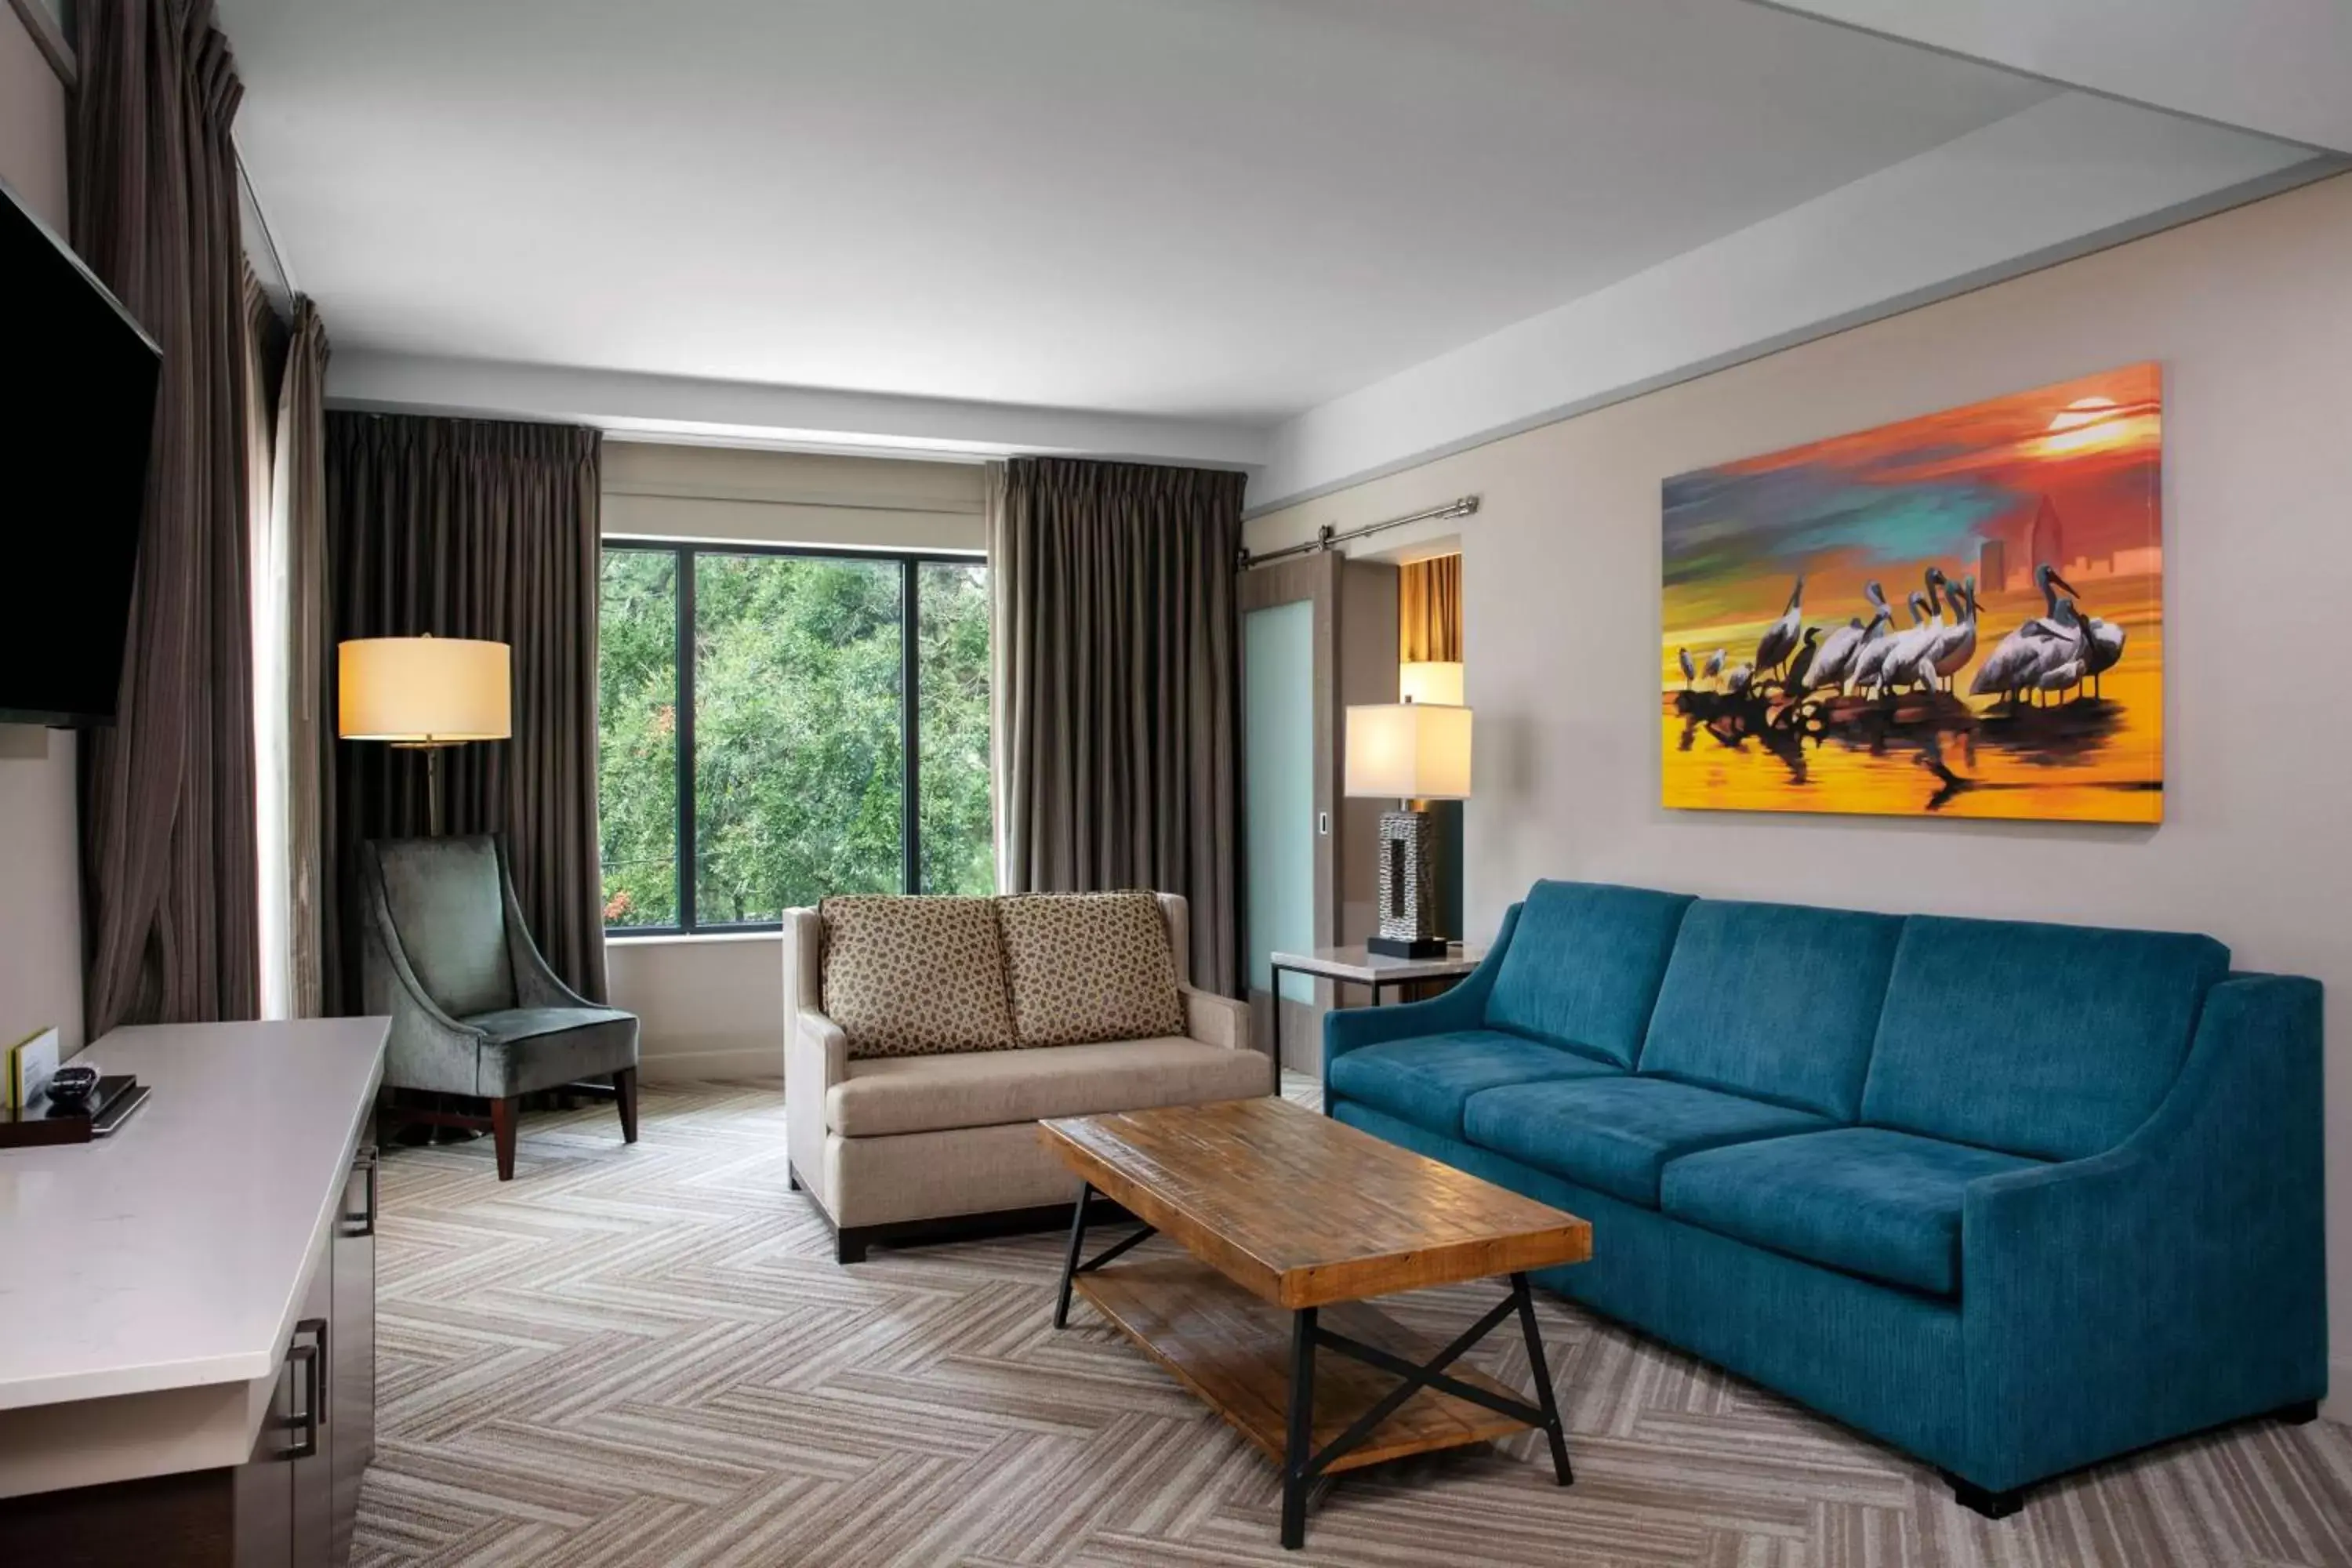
[1462, 1007]
[2172, 1283]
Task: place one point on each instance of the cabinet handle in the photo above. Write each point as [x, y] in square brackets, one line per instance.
[312, 1360]
[364, 1223]
[306, 1420]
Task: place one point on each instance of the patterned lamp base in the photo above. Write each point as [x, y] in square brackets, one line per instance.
[1408, 888]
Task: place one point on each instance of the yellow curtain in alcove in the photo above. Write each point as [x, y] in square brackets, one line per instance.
[1429, 610]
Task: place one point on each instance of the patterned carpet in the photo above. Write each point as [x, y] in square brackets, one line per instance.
[640, 1358]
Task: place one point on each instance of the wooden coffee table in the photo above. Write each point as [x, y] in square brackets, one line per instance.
[1291, 1221]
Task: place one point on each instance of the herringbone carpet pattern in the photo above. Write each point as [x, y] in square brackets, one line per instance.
[635, 1358]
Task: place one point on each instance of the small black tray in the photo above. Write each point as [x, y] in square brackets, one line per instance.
[40, 1124]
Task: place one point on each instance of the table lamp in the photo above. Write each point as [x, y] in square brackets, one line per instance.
[423, 694]
[1411, 751]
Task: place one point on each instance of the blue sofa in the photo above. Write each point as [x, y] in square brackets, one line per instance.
[2013, 1198]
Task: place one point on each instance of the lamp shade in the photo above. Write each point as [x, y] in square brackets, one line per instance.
[1409, 750]
[1430, 680]
[423, 692]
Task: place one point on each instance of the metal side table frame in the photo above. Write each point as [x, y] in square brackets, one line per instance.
[1372, 971]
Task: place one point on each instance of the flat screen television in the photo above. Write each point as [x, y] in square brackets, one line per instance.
[81, 377]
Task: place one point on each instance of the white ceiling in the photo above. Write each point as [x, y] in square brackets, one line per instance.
[1228, 210]
[2276, 67]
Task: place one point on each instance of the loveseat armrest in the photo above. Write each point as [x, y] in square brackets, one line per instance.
[1462, 1007]
[817, 1056]
[2171, 1283]
[820, 1046]
[817, 1053]
[804, 955]
[1215, 1020]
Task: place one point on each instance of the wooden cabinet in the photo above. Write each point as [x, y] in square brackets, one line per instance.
[291, 1504]
[327, 1388]
[351, 1366]
[308, 1451]
[261, 1490]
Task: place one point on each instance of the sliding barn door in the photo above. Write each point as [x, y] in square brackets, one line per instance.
[1290, 771]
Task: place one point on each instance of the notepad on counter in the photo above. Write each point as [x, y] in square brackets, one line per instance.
[31, 1060]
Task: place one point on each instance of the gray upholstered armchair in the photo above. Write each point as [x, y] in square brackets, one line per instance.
[476, 1012]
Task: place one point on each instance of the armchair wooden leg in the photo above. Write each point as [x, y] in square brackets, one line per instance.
[502, 1130]
[625, 1093]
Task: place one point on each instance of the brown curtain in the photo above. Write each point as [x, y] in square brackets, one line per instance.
[290, 658]
[1118, 686]
[1428, 611]
[167, 835]
[467, 528]
[265, 355]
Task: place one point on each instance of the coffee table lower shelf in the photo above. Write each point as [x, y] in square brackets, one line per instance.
[1233, 1350]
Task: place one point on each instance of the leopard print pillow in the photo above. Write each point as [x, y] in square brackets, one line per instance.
[915, 976]
[1087, 967]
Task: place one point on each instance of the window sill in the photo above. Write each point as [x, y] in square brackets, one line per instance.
[664, 938]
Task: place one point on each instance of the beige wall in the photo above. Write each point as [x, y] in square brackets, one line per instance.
[2250, 313]
[40, 910]
[708, 1006]
[32, 123]
[712, 1006]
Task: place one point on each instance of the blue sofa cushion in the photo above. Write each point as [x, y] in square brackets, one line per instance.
[2049, 1040]
[1617, 1133]
[1778, 1001]
[1877, 1202]
[1583, 967]
[1425, 1079]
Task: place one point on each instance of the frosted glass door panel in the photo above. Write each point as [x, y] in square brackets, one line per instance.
[1278, 744]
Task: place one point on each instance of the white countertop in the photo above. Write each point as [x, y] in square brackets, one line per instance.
[171, 1254]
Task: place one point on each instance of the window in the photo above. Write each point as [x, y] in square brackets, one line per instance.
[778, 725]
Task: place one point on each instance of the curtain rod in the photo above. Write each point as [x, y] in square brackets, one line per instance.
[252, 201]
[1325, 537]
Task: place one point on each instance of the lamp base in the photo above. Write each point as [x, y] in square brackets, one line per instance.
[1407, 926]
[1416, 947]
[432, 750]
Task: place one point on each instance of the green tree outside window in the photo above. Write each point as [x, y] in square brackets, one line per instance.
[798, 733]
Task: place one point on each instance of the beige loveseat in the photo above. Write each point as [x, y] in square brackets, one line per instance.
[939, 1139]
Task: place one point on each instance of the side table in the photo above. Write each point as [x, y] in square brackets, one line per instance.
[1373, 970]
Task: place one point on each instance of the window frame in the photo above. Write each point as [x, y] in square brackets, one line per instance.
[685, 552]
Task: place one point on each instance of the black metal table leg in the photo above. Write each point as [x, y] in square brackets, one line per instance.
[1298, 1449]
[1278, 972]
[1070, 1263]
[1303, 1466]
[1544, 1399]
[1072, 1268]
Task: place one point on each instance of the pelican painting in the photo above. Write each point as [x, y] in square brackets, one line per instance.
[1800, 668]
[1834, 666]
[2019, 673]
[1877, 665]
[2106, 650]
[1779, 640]
[2015, 669]
[1910, 658]
[1959, 645]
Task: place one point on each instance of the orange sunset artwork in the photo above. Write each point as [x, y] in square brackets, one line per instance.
[1960, 614]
